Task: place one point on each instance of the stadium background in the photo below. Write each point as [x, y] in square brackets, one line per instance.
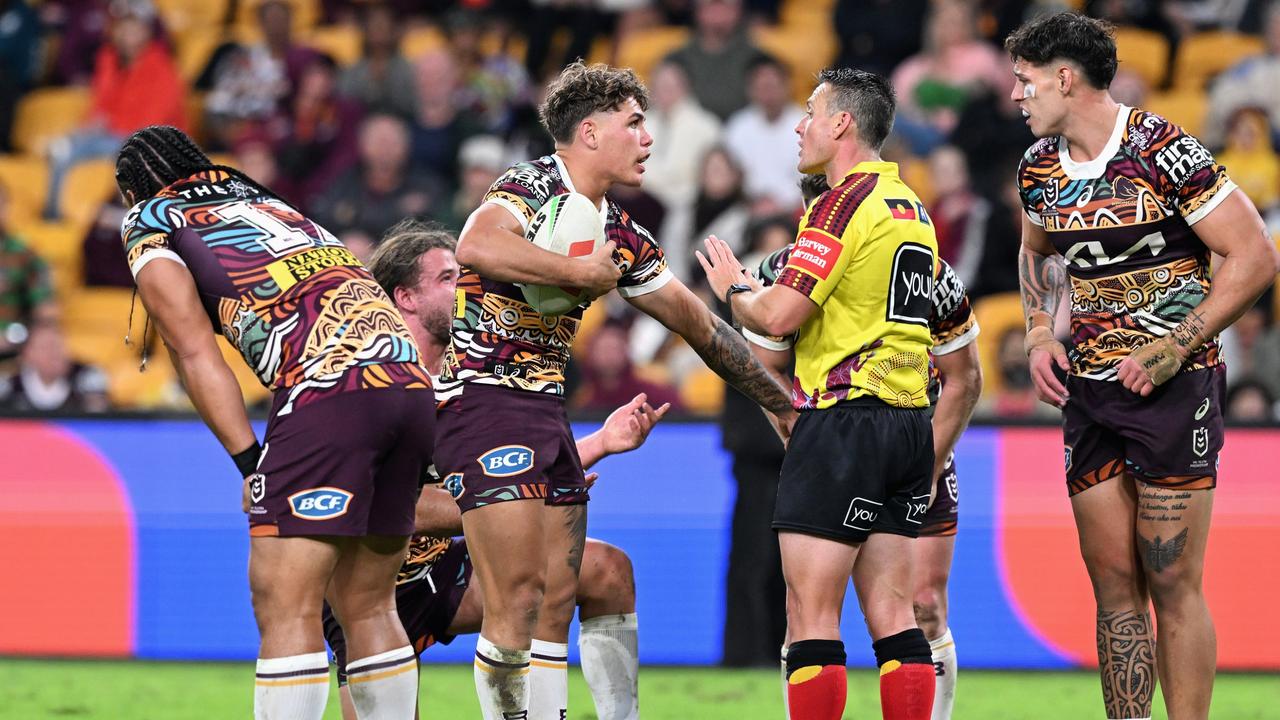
[115, 489]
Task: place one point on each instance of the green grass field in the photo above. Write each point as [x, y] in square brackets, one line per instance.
[38, 689]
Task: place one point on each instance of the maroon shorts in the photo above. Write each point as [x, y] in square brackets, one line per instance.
[349, 464]
[941, 519]
[426, 603]
[1170, 438]
[498, 444]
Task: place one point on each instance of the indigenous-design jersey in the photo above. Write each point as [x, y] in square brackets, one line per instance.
[1123, 221]
[866, 255]
[307, 317]
[952, 323]
[497, 338]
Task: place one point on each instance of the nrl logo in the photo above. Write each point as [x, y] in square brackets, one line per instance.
[1200, 441]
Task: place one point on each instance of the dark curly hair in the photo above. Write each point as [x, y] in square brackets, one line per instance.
[395, 262]
[1085, 41]
[868, 97]
[583, 89]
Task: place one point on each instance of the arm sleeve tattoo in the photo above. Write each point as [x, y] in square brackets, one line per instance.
[1043, 279]
[726, 352]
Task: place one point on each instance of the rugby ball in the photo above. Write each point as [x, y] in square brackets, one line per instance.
[567, 225]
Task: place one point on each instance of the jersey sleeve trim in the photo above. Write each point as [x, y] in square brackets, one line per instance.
[155, 254]
[511, 208]
[766, 341]
[1201, 212]
[957, 343]
[653, 285]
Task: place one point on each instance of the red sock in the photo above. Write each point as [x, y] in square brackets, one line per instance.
[906, 691]
[818, 692]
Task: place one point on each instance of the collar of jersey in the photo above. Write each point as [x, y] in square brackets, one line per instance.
[873, 167]
[568, 183]
[1094, 168]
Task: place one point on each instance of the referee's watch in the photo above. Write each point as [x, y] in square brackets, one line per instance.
[734, 289]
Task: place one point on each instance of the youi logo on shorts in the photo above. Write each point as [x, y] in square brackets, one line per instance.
[862, 513]
[506, 461]
[916, 509]
[320, 503]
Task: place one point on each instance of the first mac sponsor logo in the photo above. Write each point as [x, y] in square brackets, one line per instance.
[323, 503]
[506, 461]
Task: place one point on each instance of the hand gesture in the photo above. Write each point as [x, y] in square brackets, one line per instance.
[722, 268]
[1150, 365]
[598, 272]
[627, 427]
[1043, 352]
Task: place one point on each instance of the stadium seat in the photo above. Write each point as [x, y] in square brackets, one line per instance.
[340, 42]
[807, 13]
[155, 388]
[1186, 108]
[87, 186]
[1144, 52]
[25, 179]
[644, 49]
[185, 16]
[100, 310]
[195, 49]
[805, 51]
[421, 40]
[1202, 56]
[702, 393]
[996, 315]
[58, 244]
[46, 113]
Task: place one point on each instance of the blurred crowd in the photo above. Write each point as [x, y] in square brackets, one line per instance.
[362, 113]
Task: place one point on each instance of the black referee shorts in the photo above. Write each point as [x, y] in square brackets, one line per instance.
[857, 468]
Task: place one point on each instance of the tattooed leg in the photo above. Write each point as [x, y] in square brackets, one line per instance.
[1172, 528]
[566, 536]
[1126, 661]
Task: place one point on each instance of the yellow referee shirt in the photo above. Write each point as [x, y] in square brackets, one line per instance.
[865, 254]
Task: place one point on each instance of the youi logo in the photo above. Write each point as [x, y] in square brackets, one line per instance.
[320, 503]
[506, 461]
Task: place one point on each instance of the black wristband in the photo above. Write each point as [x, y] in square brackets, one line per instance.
[247, 460]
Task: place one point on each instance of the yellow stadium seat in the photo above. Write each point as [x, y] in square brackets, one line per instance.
[996, 315]
[807, 13]
[47, 113]
[59, 245]
[1144, 52]
[340, 42]
[87, 186]
[1186, 108]
[154, 388]
[195, 49]
[101, 311]
[24, 179]
[185, 16]
[421, 40]
[805, 52]
[104, 349]
[644, 49]
[1204, 55]
[702, 393]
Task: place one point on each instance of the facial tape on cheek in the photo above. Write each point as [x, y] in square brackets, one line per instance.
[1030, 90]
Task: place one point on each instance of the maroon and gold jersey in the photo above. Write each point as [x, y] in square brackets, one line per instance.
[307, 317]
[1123, 223]
[497, 338]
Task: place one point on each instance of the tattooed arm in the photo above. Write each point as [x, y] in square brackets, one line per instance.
[1042, 277]
[1249, 265]
[720, 346]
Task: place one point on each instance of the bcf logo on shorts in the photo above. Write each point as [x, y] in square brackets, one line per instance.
[320, 504]
[506, 461]
[862, 513]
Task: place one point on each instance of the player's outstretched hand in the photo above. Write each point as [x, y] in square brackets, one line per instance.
[598, 272]
[1150, 365]
[1043, 352]
[627, 427]
[722, 268]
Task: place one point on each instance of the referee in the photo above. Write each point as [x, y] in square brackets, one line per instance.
[855, 482]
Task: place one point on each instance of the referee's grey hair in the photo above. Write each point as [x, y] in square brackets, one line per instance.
[868, 97]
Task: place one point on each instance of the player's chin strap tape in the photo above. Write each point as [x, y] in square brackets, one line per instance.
[247, 460]
[908, 646]
[810, 653]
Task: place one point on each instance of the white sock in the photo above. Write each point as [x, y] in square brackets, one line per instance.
[611, 664]
[502, 681]
[548, 680]
[291, 688]
[786, 706]
[944, 683]
[384, 686]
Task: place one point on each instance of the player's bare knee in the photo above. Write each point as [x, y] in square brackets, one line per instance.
[930, 611]
[607, 578]
[1175, 585]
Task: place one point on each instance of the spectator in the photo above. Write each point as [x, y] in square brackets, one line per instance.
[380, 190]
[382, 79]
[990, 130]
[718, 57]
[1016, 397]
[682, 133]
[315, 141]
[26, 294]
[1251, 83]
[1250, 344]
[493, 86]
[482, 159]
[762, 136]
[959, 214]
[19, 61]
[607, 374]
[48, 380]
[255, 155]
[251, 82]
[720, 208]
[103, 255]
[135, 84]
[995, 267]
[1249, 401]
[934, 86]
[81, 28]
[440, 128]
[876, 35]
[1255, 166]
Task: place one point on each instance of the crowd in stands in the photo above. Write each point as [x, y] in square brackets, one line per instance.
[362, 112]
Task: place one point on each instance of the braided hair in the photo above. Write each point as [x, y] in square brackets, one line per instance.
[158, 156]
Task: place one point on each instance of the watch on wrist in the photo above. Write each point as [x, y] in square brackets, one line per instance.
[734, 289]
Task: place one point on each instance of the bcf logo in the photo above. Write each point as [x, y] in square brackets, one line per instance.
[862, 513]
[506, 461]
[319, 504]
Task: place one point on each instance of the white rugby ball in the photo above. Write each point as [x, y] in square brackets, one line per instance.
[567, 225]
